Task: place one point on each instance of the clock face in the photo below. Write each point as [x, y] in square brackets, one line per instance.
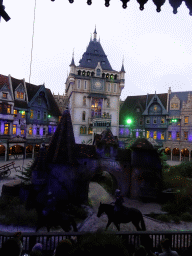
[98, 85]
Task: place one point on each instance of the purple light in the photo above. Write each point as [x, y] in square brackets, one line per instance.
[121, 131]
[41, 131]
[173, 135]
[34, 131]
[151, 134]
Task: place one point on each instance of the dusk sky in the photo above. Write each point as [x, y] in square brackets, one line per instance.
[156, 46]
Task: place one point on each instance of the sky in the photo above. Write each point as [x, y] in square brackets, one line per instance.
[156, 47]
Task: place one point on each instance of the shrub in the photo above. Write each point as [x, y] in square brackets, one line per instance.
[176, 219]
[186, 217]
[163, 217]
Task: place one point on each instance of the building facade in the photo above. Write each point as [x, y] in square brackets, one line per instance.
[164, 119]
[28, 116]
[93, 89]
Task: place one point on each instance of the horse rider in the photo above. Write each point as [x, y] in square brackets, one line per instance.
[50, 204]
[119, 201]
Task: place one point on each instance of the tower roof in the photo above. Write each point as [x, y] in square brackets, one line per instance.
[94, 54]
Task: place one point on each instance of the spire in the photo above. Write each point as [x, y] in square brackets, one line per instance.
[95, 34]
[72, 61]
[122, 68]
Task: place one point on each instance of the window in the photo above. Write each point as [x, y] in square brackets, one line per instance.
[185, 135]
[84, 100]
[38, 115]
[109, 87]
[162, 120]
[147, 135]
[8, 109]
[14, 129]
[186, 119]
[83, 116]
[21, 95]
[178, 135]
[22, 132]
[169, 135]
[108, 103]
[31, 113]
[23, 114]
[115, 87]
[138, 110]
[43, 131]
[78, 84]
[141, 121]
[39, 101]
[45, 116]
[85, 85]
[1, 108]
[30, 131]
[147, 120]
[6, 129]
[90, 130]
[4, 95]
[18, 95]
[174, 105]
[83, 130]
[155, 120]
[154, 135]
[15, 112]
[155, 108]
[37, 130]
[162, 136]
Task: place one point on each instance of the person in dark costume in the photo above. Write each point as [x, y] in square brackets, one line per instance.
[119, 202]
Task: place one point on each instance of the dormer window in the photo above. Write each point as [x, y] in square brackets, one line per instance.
[103, 62]
[4, 95]
[98, 72]
[20, 95]
[39, 101]
[95, 51]
[88, 60]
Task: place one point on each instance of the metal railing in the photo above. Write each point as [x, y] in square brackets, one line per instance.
[179, 239]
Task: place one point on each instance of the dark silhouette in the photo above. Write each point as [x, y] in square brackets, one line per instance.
[11, 247]
[126, 215]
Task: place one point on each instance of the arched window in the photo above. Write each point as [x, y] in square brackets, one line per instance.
[108, 103]
[84, 100]
[98, 72]
[83, 129]
[90, 130]
[83, 116]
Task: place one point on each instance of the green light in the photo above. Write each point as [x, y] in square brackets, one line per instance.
[174, 120]
[129, 121]
[49, 116]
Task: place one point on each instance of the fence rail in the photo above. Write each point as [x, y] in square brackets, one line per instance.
[179, 239]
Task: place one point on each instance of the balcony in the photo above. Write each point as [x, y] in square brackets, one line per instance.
[100, 120]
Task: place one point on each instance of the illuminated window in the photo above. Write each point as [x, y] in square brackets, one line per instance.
[31, 113]
[155, 108]
[6, 129]
[185, 135]
[15, 112]
[186, 119]
[22, 132]
[83, 130]
[147, 134]
[30, 131]
[18, 95]
[178, 135]
[162, 120]
[14, 129]
[154, 135]
[162, 136]
[90, 130]
[174, 105]
[8, 109]
[23, 114]
[4, 95]
[169, 135]
[21, 95]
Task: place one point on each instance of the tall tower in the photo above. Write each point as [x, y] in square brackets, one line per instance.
[93, 89]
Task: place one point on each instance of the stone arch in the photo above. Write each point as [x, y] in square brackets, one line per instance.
[175, 154]
[184, 154]
[168, 153]
[29, 151]
[2, 151]
[16, 151]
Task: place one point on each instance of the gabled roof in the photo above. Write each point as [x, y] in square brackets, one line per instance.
[129, 106]
[94, 54]
[32, 90]
[54, 111]
[15, 82]
[155, 99]
[4, 80]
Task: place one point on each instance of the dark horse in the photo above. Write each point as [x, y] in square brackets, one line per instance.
[52, 218]
[126, 215]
